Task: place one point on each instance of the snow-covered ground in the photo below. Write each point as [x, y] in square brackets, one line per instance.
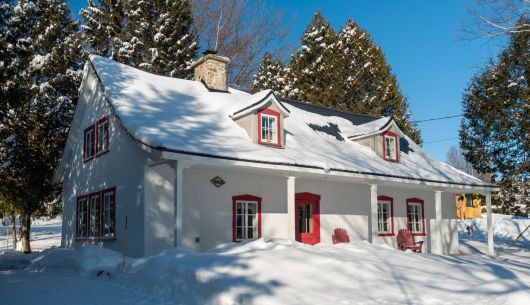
[276, 272]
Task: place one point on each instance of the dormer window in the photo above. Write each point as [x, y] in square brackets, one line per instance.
[269, 127]
[390, 146]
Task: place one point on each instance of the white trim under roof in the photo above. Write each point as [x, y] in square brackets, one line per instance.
[259, 100]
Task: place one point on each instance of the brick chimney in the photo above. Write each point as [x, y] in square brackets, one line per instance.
[211, 70]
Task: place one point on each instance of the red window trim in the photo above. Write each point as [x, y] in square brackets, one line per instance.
[395, 136]
[100, 122]
[77, 217]
[391, 200]
[234, 206]
[95, 144]
[278, 131]
[90, 196]
[99, 194]
[421, 202]
[91, 127]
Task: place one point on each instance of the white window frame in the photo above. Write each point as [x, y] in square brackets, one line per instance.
[103, 134]
[380, 216]
[415, 226]
[89, 143]
[94, 219]
[244, 223]
[272, 127]
[108, 207]
[390, 147]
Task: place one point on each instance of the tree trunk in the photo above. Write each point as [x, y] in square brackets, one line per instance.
[14, 231]
[25, 225]
[19, 231]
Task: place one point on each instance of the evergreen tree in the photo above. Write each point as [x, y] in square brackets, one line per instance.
[155, 36]
[365, 80]
[103, 28]
[271, 75]
[345, 71]
[310, 75]
[495, 130]
[40, 73]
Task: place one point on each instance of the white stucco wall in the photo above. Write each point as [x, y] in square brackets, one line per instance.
[208, 210]
[159, 208]
[122, 167]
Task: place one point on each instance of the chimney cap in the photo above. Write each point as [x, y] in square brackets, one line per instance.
[213, 52]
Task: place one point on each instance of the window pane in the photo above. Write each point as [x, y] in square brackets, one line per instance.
[108, 214]
[239, 233]
[95, 220]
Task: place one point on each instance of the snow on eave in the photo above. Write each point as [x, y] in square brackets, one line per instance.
[375, 127]
[259, 100]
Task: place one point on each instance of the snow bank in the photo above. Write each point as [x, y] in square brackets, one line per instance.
[287, 272]
[506, 228]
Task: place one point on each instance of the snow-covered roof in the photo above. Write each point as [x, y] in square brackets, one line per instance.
[183, 116]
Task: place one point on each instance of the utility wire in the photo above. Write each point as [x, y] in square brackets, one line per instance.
[440, 118]
[441, 140]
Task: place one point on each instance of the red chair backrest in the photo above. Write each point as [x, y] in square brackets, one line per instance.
[405, 237]
[340, 236]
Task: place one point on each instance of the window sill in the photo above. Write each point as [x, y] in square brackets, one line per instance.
[96, 156]
[270, 144]
[386, 234]
[391, 160]
[102, 152]
[89, 159]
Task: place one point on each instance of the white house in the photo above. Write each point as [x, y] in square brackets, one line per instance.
[169, 162]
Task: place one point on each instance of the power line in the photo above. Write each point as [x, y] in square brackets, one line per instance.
[441, 140]
[440, 118]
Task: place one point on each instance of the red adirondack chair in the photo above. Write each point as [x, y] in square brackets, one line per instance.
[405, 240]
[340, 236]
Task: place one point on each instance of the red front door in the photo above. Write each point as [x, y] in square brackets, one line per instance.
[307, 218]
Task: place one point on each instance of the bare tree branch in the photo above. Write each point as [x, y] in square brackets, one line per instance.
[241, 30]
[495, 18]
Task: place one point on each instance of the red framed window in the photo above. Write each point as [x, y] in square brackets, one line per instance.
[96, 139]
[390, 146]
[94, 206]
[96, 215]
[108, 211]
[89, 145]
[385, 216]
[102, 135]
[415, 216]
[82, 217]
[246, 218]
[269, 127]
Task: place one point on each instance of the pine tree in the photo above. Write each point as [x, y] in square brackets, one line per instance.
[271, 75]
[365, 80]
[155, 36]
[40, 73]
[310, 75]
[104, 29]
[345, 71]
[174, 43]
[495, 130]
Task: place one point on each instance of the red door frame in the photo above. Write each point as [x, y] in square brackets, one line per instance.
[313, 199]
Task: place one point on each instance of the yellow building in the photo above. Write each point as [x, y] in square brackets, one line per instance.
[468, 206]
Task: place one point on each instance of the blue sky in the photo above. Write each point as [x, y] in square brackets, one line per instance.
[420, 41]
